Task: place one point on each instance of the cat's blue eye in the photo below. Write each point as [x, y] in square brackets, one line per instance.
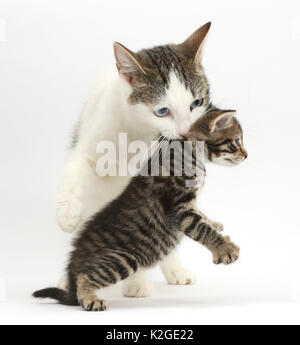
[237, 141]
[162, 112]
[197, 103]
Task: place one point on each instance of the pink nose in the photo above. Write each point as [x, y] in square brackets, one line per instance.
[184, 128]
[184, 134]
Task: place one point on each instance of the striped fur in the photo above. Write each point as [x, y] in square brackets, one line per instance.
[148, 71]
[142, 226]
[159, 62]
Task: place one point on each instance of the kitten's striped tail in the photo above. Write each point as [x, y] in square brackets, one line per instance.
[60, 295]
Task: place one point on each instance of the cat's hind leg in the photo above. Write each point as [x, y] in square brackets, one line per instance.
[63, 283]
[174, 271]
[138, 285]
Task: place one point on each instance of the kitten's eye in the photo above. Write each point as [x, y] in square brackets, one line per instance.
[162, 112]
[197, 103]
[237, 141]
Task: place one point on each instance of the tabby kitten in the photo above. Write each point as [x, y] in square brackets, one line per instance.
[132, 231]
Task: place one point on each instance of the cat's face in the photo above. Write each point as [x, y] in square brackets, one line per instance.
[167, 83]
[223, 137]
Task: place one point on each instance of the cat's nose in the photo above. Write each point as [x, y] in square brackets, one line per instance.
[184, 128]
[185, 134]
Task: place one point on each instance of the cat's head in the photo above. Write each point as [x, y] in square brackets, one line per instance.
[167, 83]
[223, 136]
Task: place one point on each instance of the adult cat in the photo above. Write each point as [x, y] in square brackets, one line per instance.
[158, 90]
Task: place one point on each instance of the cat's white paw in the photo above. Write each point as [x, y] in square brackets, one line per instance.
[179, 276]
[68, 211]
[137, 288]
[63, 283]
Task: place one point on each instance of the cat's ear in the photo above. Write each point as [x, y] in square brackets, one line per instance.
[127, 62]
[194, 44]
[222, 120]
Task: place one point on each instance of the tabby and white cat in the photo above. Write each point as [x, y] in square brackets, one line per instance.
[163, 89]
[134, 231]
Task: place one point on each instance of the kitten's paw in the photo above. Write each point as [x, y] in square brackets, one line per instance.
[69, 210]
[218, 226]
[137, 288]
[179, 276]
[227, 253]
[93, 304]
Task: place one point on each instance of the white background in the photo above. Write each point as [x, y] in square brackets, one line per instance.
[52, 52]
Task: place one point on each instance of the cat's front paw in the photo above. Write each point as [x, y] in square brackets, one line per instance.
[179, 276]
[68, 211]
[227, 253]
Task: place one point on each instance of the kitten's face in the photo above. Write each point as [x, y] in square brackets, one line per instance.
[168, 83]
[228, 149]
[223, 137]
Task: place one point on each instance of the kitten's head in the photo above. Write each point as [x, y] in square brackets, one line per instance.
[167, 83]
[223, 137]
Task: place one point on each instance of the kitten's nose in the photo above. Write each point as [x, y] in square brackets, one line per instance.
[245, 153]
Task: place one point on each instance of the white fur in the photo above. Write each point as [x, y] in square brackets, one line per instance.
[138, 285]
[178, 99]
[63, 283]
[107, 113]
[174, 272]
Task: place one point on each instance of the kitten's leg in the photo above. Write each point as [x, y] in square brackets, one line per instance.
[87, 294]
[138, 285]
[174, 271]
[195, 226]
[216, 225]
[172, 267]
[102, 271]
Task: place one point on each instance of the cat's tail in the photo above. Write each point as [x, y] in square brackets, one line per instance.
[60, 295]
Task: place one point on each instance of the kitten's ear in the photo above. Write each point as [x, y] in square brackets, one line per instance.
[127, 62]
[194, 44]
[222, 120]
